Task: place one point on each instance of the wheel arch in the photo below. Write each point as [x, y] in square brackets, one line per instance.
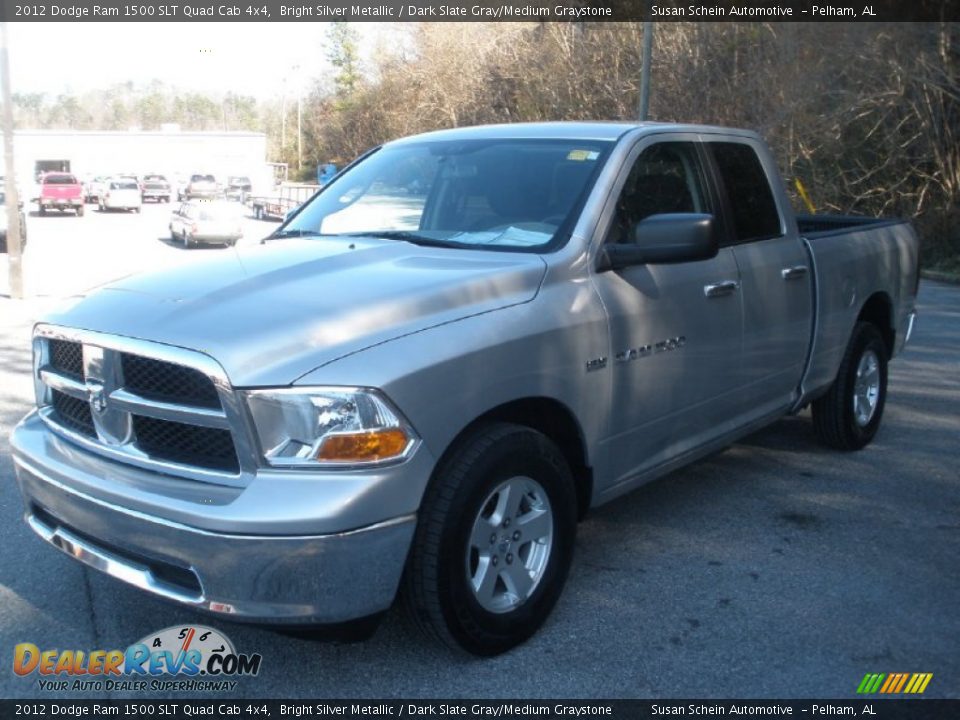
[550, 417]
[878, 310]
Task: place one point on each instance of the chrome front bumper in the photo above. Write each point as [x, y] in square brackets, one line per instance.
[297, 578]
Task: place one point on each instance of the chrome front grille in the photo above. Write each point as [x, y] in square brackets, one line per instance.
[159, 380]
[181, 443]
[147, 404]
[73, 413]
[67, 357]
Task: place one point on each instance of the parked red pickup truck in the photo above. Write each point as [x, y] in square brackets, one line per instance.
[60, 191]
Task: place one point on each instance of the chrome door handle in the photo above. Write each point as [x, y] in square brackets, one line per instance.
[721, 288]
[796, 271]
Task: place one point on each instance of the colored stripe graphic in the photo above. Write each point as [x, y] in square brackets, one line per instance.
[894, 683]
[903, 681]
[918, 683]
[870, 683]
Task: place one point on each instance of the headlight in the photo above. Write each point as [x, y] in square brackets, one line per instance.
[325, 426]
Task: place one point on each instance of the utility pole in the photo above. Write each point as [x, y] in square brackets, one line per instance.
[13, 202]
[296, 69]
[645, 70]
[283, 120]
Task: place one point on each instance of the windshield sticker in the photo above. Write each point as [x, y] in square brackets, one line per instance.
[581, 155]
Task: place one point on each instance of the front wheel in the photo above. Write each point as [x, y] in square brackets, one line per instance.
[494, 540]
[848, 416]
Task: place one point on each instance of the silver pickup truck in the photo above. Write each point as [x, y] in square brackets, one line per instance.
[422, 380]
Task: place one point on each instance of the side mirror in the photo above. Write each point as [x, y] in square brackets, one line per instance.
[664, 239]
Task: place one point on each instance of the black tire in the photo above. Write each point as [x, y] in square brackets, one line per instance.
[80, 211]
[43, 210]
[834, 417]
[436, 586]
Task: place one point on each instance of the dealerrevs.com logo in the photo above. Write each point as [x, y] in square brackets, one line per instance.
[186, 658]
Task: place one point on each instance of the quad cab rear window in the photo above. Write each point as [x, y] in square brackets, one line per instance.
[753, 209]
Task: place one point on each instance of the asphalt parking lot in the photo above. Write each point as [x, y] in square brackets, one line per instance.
[776, 568]
[66, 254]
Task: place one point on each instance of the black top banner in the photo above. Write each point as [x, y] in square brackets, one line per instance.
[482, 11]
[869, 708]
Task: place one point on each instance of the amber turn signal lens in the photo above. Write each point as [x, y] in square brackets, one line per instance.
[364, 446]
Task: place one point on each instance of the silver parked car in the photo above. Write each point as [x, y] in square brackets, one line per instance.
[201, 186]
[199, 222]
[441, 361]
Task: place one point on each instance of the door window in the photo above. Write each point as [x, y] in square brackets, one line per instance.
[666, 178]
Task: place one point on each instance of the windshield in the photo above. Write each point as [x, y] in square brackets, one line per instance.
[202, 178]
[478, 193]
[123, 186]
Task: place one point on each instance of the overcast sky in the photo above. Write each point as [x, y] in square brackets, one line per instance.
[245, 57]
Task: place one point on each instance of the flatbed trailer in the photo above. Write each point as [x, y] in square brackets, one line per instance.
[285, 198]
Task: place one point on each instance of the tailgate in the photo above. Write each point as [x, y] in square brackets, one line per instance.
[60, 192]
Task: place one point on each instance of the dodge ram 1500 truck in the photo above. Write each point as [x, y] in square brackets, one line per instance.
[420, 382]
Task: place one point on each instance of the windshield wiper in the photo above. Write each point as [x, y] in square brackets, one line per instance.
[280, 234]
[407, 236]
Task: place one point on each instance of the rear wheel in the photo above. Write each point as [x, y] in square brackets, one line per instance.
[494, 541]
[43, 210]
[80, 211]
[848, 416]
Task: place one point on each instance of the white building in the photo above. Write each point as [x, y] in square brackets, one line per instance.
[170, 151]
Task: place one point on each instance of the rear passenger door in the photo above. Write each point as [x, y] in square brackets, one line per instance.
[775, 273]
[675, 330]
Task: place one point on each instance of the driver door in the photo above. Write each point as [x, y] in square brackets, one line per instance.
[675, 329]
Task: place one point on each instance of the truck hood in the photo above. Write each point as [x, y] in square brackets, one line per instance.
[271, 313]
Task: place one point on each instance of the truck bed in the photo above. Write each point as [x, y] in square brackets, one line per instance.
[856, 259]
[823, 225]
